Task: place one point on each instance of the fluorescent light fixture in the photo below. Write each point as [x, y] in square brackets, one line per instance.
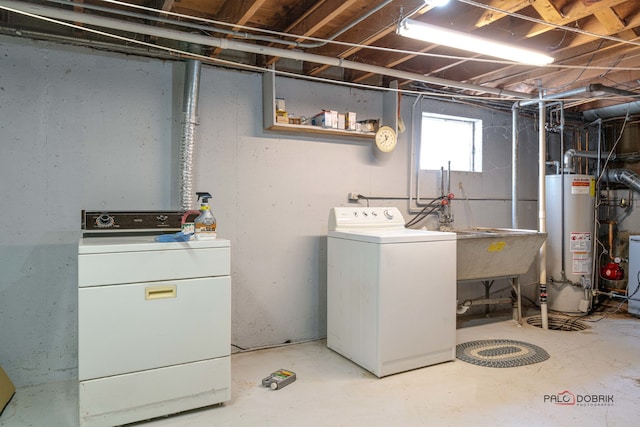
[436, 3]
[446, 37]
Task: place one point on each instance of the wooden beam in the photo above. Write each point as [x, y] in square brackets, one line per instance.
[324, 13]
[610, 20]
[238, 12]
[378, 27]
[547, 10]
[489, 16]
[167, 5]
[573, 12]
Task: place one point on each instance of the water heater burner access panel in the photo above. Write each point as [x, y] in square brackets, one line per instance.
[354, 218]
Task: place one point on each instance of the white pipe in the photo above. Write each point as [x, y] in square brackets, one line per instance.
[414, 171]
[514, 167]
[100, 21]
[238, 34]
[542, 209]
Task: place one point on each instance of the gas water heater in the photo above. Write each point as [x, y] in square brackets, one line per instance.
[570, 214]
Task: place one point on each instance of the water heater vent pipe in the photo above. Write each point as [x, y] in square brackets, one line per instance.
[571, 153]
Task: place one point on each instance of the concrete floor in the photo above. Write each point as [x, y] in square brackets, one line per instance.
[332, 391]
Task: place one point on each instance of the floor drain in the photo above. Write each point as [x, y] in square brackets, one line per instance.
[558, 323]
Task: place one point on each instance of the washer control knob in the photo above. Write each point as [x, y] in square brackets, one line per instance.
[105, 221]
[388, 214]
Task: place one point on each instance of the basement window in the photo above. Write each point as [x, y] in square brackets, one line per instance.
[452, 139]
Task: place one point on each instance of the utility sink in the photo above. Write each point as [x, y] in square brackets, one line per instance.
[487, 253]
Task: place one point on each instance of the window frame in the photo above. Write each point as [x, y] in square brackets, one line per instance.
[475, 153]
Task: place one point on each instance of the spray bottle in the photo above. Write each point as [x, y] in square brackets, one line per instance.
[205, 223]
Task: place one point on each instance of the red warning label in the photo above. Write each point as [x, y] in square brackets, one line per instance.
[581, 185]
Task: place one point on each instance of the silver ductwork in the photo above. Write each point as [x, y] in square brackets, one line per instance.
[571, 153]
[626, 177]
[620, 110]
[188, 132]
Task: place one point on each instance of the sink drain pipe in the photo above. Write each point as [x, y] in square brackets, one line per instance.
[542, 214]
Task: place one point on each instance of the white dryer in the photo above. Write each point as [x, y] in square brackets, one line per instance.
[391, 291]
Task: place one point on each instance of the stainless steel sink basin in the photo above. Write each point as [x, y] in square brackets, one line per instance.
[486, 253]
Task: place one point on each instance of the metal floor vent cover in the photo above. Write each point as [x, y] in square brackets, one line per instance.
[500, 353]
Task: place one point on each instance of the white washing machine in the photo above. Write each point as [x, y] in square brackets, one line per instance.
[391, 291]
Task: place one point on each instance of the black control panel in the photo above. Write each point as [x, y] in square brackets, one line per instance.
[131, 221]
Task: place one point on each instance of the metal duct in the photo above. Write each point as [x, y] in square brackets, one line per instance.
[620, 110]
[594, 87]
[571, 153]
[188, 134]
[626, 177]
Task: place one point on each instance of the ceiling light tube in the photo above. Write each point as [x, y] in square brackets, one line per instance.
[446, 37]
[436, 3]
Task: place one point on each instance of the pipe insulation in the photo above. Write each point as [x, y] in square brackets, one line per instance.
[188, 134]
[227, 44]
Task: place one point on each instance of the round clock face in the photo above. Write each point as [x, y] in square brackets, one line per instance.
[386, 139]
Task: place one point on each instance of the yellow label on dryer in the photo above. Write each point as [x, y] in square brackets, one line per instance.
[496, 246]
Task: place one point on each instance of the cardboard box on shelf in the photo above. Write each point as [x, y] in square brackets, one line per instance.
[7, 390]
[350, 120]
[326, 119]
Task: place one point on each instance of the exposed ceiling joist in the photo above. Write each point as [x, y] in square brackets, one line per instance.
[591, 41]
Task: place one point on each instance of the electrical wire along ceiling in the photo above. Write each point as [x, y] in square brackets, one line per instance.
[581, 43]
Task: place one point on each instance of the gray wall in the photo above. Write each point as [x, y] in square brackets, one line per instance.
[83, 129]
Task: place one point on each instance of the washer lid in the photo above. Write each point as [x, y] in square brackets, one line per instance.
[404, 235]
